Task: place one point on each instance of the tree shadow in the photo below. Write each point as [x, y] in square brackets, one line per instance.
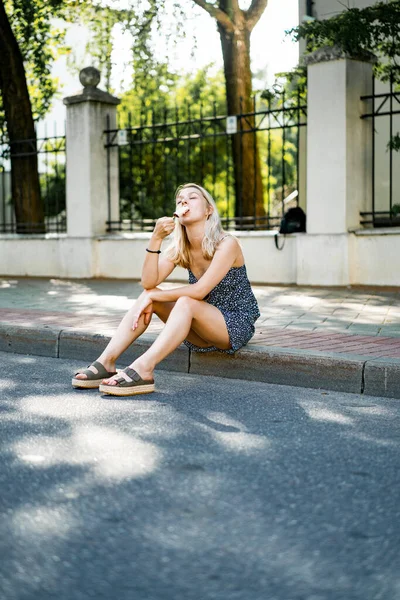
[206, 489]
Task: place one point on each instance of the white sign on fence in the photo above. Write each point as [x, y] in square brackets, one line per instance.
[122, 137]
[231, 124]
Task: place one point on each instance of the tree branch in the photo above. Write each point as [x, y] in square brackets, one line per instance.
[254, 12]
[218, 14]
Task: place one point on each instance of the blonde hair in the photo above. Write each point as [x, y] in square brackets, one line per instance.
[178, 252]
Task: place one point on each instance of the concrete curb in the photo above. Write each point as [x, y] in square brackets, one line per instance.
[382, 377]
[42, 341]
[336, 372]
[287, 367]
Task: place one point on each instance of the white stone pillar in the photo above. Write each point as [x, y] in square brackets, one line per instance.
[339, 146]
[90, 194]
[338, 141]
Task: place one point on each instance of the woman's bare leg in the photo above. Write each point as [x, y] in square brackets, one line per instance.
[188, 319]
[120, 341]
[163, 310]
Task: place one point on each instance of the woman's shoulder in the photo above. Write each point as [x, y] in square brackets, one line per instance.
[229, 243]
[228, 238]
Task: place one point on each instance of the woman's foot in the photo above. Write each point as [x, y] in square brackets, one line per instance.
[128, 382]
[107, 365]
[92, 377]
[139, 367]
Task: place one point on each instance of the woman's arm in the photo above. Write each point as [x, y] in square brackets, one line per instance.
[156, 268]
[224, 257]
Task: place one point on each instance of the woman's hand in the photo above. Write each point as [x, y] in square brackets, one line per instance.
[164, 227]
[145, 307]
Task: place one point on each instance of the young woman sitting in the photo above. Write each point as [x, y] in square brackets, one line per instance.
[216, 311]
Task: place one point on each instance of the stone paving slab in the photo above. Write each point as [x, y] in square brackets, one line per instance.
[310, 336]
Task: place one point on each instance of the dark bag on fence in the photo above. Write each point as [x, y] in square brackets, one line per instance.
[294, 221]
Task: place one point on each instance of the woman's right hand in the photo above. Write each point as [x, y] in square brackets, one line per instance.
[164, 227]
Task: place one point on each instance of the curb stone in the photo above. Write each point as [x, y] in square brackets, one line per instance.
[382, 378]
[285, 367]
[42, 341]
[282, 366]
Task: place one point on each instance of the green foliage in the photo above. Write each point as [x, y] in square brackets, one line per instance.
[394, 143]
[356, 31]
[359, 32]
[159, 158]
[145, 22]
[52, 183]
[159, 115]
[289, 87]
[39, 41]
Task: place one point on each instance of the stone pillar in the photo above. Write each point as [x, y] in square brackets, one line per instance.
[339, 146]
[338, 141]
[90, 195]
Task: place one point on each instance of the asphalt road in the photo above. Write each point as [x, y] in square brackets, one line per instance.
[207, 489]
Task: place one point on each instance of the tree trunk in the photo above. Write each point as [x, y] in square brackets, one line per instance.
[21, 132]
[248, 184]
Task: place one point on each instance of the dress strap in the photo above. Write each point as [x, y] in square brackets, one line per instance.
[223, 237]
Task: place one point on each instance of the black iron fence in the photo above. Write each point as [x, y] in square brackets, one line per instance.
[50, 154]
[384, 113]
[249, 162]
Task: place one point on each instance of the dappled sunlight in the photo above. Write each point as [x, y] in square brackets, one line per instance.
[83, 406]
[101, 303]
[374, 410]
[110, 454]
[322, 413]
[74, 285]
[79, 407]
[299, 300]
[241, 441]
[232, 434]
[7, 385]
[8, 283]
[365, 437]
[27, 360]
[224, 419]
[44, 521]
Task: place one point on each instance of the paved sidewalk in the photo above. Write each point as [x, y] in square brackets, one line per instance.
[340, 338]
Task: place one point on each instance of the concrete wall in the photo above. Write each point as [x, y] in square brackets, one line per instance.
[360, 258]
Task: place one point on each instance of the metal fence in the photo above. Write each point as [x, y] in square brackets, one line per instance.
[50, 152]
[384, 113]
[166, 148]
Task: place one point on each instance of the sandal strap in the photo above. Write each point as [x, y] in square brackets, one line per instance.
[132, 374]
[101, 374]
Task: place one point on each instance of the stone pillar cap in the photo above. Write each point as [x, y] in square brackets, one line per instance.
[327, 53]
[90, 79]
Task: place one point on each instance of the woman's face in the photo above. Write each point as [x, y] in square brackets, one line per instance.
[193, 199]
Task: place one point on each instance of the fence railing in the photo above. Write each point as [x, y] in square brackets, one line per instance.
[249, 162]
[384, 113]
[50, 152]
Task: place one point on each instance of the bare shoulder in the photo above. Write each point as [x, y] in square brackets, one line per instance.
[230, 243]
[228, 240]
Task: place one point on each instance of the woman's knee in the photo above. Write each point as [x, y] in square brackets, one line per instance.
[186, 303]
